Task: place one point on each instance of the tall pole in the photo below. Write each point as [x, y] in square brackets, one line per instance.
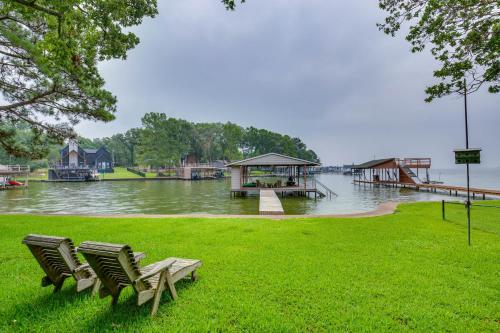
[467, 147]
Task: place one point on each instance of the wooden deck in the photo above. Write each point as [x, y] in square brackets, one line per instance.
[279, 190]
[269, 203]
[448, 189]
[14, 170]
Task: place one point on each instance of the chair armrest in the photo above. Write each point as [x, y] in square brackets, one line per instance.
[158, 268]
[81, 267]
[139, 256]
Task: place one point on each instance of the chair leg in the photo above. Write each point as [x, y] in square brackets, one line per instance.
[46, 281]
[97, 285]
[171, 286]
[158, 292]
[58, 285]
[104, 292]
[115, 298]
[194, 276]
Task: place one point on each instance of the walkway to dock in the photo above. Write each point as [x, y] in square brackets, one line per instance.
[449, 189]
[269, 203]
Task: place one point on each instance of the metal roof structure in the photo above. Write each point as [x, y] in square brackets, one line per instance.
[90, 151]
[273, 159]
[373, 163]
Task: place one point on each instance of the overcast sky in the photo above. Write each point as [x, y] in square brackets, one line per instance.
[316, 69]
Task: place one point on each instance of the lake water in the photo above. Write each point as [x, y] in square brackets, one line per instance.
[184, 197]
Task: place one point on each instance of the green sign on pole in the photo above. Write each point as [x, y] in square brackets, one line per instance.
[468, 156]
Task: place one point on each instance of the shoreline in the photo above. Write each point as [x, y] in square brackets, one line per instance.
[116, 179]
[386, 208]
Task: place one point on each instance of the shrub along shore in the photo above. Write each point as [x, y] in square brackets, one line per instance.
[407, 270]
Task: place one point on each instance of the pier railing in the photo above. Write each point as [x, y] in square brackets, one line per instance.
[415, 162]
[328, 192]
[71, 166]
[15, 168]
[204, 165]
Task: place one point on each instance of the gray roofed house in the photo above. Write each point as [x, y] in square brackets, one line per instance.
[74, 155]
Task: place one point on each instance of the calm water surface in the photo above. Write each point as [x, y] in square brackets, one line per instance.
[177, 197]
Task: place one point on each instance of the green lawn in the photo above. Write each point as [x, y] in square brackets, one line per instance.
[406, 271]
[40, 174]
[120, 172]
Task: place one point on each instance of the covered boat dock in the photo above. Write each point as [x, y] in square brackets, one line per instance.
[283, 174]
[406, 172]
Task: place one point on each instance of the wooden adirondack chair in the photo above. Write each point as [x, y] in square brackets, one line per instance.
[57, 257]
[116, 267]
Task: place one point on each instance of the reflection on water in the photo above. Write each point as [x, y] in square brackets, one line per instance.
[176, 197]
[148, 197]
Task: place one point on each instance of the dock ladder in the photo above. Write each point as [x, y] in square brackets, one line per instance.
[328, 192]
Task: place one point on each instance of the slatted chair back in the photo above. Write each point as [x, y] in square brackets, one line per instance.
[57, 257]
[114, 265]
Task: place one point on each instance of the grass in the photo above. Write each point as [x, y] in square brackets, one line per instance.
[40, 174]
[37, 175]
[405, 271]
[119, 173]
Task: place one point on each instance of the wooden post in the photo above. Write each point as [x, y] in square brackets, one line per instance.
[305, 177]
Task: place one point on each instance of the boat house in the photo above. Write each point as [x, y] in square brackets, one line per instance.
[79, 164]
[283, 174]
[393, 171]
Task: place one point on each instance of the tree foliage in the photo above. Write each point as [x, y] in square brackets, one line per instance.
[165, 141]
[162, 140]
[231, 4]
[49, 52]
[464, 36]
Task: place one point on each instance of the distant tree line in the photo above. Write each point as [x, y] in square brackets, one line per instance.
[165, 141]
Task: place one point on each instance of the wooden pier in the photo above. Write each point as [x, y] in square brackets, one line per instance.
[448, 189]
[269, 203]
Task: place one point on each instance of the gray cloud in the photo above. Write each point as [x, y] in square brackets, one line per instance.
[316, 69]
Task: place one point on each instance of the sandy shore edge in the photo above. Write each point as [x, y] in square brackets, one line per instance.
[385, 208]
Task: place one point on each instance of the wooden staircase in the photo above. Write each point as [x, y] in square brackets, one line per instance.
[406, 175]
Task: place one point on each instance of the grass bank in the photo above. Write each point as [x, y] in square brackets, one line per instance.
[123, 173]
[119, 173]
[405, 271]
